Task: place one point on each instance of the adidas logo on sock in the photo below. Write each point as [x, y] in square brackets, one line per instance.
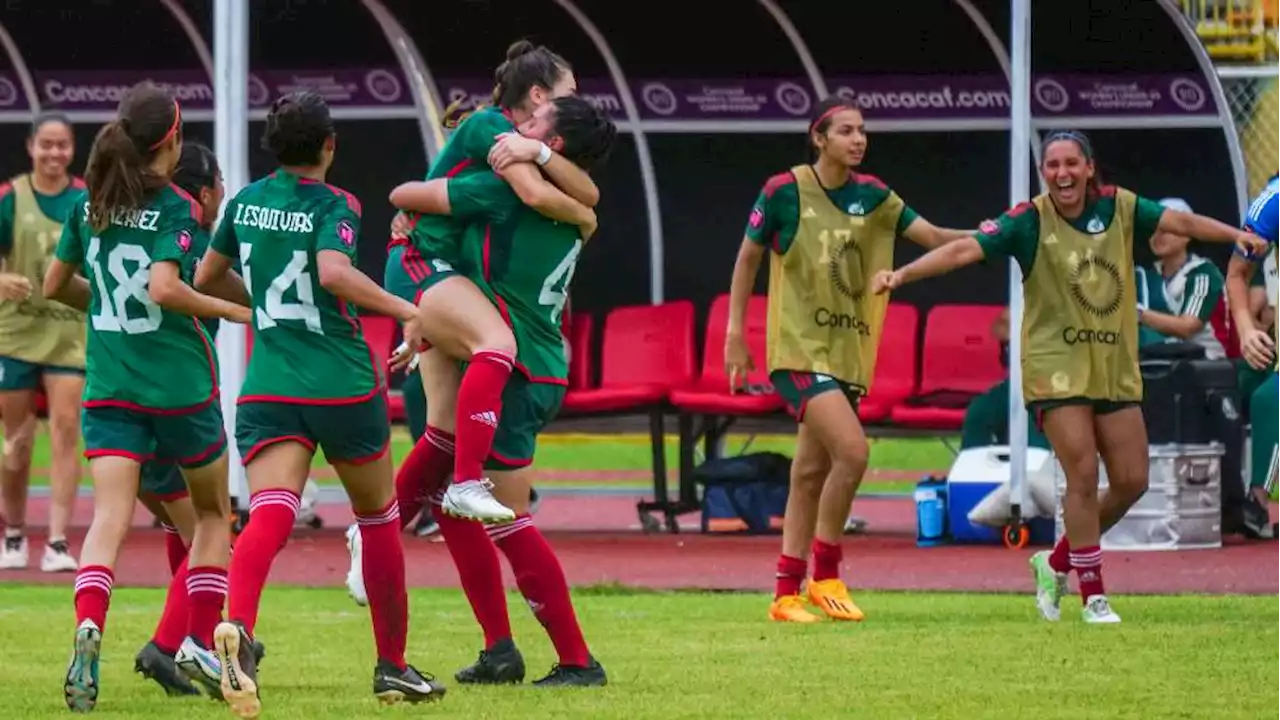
[488, 417]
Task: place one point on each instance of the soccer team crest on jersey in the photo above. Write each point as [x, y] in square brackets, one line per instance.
[346, 233]
[184, 241]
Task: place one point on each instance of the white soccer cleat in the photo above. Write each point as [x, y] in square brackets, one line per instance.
[201, 666]
[355, 575]
[57, 558]
[474, 500]
[1050, 586]
[1097, 611]
[14, 555]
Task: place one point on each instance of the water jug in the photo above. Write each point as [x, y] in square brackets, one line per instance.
[931, 512]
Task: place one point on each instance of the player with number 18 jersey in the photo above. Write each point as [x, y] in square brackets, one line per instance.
[142, 358]
[308, 349]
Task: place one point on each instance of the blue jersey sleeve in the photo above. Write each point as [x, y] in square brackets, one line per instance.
[1261, 219]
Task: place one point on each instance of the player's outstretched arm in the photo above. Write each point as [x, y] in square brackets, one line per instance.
[939, 261]
[929, 236]
[549, 200]
[1176, 222]
[423, 196]
[215, 277]
[168, 290]
[62, 282]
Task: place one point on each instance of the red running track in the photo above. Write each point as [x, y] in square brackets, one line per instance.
[598, 543]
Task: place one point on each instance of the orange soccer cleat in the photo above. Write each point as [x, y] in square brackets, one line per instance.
[832, 597]
[790, 608]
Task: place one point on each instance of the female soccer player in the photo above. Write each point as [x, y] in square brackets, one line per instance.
[41, 343]
[312, 382]
[523, 262]
[162, 489]
[1080, 372]
[530, 77]
[152, 380]
[829, 229]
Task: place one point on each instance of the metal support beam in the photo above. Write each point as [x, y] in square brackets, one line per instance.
[426, 94]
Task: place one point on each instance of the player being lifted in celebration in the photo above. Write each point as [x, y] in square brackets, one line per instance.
[522, 262]
[830, 229]
[151, 375]
[312, 382]
[41, 344]
[1080, 373]
[434, 271]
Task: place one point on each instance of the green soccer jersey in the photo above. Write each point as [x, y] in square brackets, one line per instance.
[1195, 289]
[308, 346]
[524, 263]
[138, 354]
[439, 237]
[1016, 233]
[55, 207]
[776, 214]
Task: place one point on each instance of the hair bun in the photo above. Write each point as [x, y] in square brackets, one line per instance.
[518, 48]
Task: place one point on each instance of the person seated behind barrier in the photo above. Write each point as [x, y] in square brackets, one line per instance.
[1178, 293]
[1260, 399]
[986, 420]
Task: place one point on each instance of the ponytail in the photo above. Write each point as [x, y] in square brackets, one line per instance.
[118, 175]
[454, 114]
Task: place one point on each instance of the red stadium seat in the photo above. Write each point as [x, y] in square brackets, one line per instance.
[581, 333]
[961, 360]
[895, 378]
[710, 394]
[648, 351]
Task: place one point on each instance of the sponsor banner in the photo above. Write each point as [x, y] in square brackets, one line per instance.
[882, 97]
[72, 90]
[887, 97]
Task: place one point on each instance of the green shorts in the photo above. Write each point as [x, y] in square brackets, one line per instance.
[18, 374]
[1037, 408]
[191, 440]
[527, 408]
[352, 433]
[163, 480]
[409, 273]
[798, 388]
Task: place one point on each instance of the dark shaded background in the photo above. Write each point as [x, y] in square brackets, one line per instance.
[706, 183]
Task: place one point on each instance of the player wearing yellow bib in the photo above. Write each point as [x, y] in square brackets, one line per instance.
[151, 370]
[312, 383]
[41, 344]
[1080, 372]
[530, 78]
[829, 229]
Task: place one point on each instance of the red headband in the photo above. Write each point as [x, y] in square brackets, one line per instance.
[814, 125]
[173, 129]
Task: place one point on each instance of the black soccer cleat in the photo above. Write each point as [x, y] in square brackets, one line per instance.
[502, 664]
[155, 664]
[392, 685]
[593, 675]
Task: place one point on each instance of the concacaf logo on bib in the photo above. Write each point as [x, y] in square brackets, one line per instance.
[1095, 226]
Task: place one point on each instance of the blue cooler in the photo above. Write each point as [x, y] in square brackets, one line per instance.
[976, 473]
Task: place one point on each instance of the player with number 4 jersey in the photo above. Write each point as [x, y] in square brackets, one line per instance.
[312, 383]
[523, 264]
[152, 377]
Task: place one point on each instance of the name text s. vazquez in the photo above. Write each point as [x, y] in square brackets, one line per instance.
[822, 317]
[1084, 336]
